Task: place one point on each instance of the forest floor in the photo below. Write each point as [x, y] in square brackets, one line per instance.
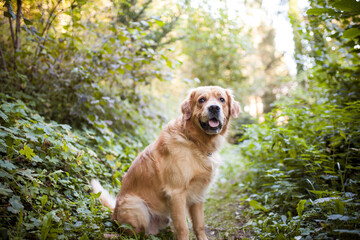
[224, 215]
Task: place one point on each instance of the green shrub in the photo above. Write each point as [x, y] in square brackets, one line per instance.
[81, 68]
[45, 172]
[304, 178]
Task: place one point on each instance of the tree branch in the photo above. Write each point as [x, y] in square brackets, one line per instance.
[47, 27]
[18, 19]
[11, 26]
[49, 21]
[145, 6]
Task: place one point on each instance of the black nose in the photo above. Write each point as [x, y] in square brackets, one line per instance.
[214, 109]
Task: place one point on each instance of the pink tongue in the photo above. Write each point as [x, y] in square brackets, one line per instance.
[214, 123]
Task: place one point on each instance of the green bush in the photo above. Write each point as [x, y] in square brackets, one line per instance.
[84, 65]
[303, 181]
[45, 172]
[304, 178]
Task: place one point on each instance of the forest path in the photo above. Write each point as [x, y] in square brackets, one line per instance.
[224, 217]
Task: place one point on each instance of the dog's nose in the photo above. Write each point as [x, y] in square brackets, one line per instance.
[214, 109]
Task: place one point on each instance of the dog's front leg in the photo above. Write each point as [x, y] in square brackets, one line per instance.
[178, 215]
[197, 217]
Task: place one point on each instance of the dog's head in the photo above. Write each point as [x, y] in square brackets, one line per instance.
[210, 108]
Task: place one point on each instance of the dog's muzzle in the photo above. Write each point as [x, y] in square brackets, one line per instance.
[212, 124]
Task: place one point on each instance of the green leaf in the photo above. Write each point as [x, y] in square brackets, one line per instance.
[121, 70]
[27, 173]
[27, 151]
[352, 167]
[126, 226]
[159, 23]
[65, 127]
[128, 67]
[339, 205]
[7, 164]
[256, 205]
[320, 11]
[351, 33]
[348, 232]
[339, 217]
[31, 136]
[342, 132]
[26, 29]
[16, 205]
[300, 207]
[4, 190]
[43, 200]
[281, 237]
[46, 225]
[37, 159]
[4, 116]
[27, 21]
[347, 5]
[84, 237]
[10, 15]
[144, 23]
[123, 38]
[91, 118]
[3, 134]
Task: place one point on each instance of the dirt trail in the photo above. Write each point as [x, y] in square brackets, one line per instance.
[224, 216]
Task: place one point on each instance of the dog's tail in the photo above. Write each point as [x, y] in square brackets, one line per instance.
[106, 198]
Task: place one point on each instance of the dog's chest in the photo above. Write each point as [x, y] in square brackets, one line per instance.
[204, 170]
[188, 169]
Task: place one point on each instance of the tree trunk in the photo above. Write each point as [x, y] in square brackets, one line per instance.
[18, 20]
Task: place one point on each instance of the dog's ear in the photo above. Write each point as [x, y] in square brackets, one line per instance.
[187, 106]
[234, 106]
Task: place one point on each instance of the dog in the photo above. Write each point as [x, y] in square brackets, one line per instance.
[169, 178]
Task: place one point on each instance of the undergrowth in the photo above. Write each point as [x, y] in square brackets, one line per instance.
[303, 182]
[45, 172]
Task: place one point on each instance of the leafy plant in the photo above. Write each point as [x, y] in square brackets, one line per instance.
[81, 69]
[304, 158]
[45, 173]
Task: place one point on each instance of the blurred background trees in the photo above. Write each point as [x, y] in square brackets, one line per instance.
[82, 62]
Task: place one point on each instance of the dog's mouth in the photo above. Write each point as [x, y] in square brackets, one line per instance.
[211, 126]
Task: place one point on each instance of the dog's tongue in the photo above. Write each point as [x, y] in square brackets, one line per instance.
[213, 123]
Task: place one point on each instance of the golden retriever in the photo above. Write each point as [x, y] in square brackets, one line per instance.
[170, 177]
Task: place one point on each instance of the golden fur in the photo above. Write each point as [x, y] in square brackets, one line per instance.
[170, 177]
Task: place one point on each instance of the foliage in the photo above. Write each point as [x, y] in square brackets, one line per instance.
[330, 44]
[215, 46]
[79, 70]
[303, 181]
[222, 48]
[45, 173]
[83, 65]
[304, 158]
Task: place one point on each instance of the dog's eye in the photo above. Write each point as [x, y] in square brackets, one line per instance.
[202, 100]
[222, 100]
